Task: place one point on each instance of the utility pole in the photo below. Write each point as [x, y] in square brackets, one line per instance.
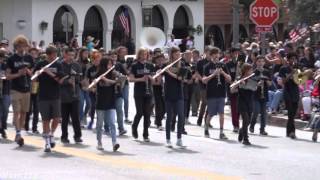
[235, 23]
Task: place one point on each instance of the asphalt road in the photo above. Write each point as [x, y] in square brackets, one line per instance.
[274, 157]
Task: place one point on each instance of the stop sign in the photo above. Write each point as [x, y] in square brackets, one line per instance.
[264, 12]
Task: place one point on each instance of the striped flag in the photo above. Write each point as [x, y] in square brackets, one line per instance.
[124, 19]
[298, 34]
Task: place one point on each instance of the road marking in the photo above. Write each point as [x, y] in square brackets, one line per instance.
[128, 163]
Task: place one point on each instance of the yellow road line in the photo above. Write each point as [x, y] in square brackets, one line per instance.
[128, 163]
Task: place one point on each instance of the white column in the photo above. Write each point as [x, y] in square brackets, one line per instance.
[79, 33]
[107, 44]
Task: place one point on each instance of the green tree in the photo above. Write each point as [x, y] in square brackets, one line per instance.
[306, 11]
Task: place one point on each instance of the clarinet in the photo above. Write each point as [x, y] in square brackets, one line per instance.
[262, 85]
[219, 66]
[146, 72]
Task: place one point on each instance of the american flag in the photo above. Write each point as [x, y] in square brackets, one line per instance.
[124, 19]
[298, 34]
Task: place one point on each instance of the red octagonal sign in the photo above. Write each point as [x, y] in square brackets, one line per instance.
[264, 12]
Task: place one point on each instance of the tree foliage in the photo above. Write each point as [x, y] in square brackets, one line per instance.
[307, 11]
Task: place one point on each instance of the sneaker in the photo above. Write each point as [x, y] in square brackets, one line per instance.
[47, 148]
[160, 128]
[210, 126]
[263, 133]
[315, 136]
[199, 123]
[292, 135]
[90, 125]
[146, 139]
[3, 134]
[52, 142]
[246, 142]
[127, 121]
[100, 147]
[251, 129]
[223, 136]
[36, 132]
[240, 136]
[169, 145]
[184, 132]
[107, 133]
[116, 147]
[78, 140]
[134, 134]
[187, 122]
[206, 133]
[20, 141]
[65, 141]
[179, 143]
[123, 132]
[235, 129]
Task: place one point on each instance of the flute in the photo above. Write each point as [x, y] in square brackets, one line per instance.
[239, 81]
[166, 68]
[42, 69]
[95, 81]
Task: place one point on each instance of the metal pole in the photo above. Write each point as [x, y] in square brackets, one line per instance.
[67, 29]
[235, 23]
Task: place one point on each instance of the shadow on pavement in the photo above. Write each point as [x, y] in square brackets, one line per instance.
[118, 153]
[256, 146]
[55, 154]
[269, 136]
[149, 143]
[82, 146]
[27, 148]
[230, 141]
[183, 150]
[6, 141]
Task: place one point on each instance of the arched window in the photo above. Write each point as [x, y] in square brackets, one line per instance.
[93, 26]
[157, 18]
[60, 33]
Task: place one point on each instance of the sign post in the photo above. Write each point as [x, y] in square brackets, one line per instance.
[264, 13]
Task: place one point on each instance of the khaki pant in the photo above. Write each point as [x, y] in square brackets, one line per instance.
[20, 101]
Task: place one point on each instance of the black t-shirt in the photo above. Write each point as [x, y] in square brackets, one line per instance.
[200, 69]
[67, 91]
[232, 68]
[49, 88]
[186, 74]
[92, 73]
[138, 70]
[105, 94]
[214, 88]
[15, 63]
[173, 88]
[265, 75]
[291, 89]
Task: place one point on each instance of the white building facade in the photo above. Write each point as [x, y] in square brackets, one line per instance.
[42, 19]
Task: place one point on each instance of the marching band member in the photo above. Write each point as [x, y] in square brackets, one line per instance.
[49, 96]
[106, 104]
[215, 77]
[290, 92]
[200, 67]
[233, 68]
[261, 96]
[34, 108]
[91, 74]
[158, 93]
[70, 87]
[19, 71]
[245, 102]
[140, 75]
[4, 96]
[173, 90]
[121, 80]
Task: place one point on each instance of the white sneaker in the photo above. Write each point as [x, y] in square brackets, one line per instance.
[179, 143]
[160, 128]
[100, 147]
[169, 145]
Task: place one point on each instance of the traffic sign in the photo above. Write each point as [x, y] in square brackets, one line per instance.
[264, 12]
[67, 19]
[260, 29]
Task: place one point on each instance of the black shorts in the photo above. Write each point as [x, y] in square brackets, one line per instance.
[50, 109]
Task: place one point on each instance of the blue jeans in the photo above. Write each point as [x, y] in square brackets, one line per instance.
[126, 100]
[259, 108]
[274, 99]
[174, 107]
[119, 110]
[106, 116]
[6, 100]
[84, 98]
